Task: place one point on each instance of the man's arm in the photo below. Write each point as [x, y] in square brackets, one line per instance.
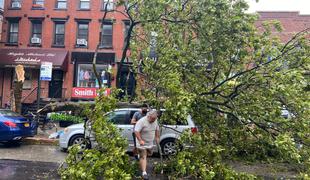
[138, 135]
[137, 130]
[134, 118]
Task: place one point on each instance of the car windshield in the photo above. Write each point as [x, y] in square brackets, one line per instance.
[8, 113]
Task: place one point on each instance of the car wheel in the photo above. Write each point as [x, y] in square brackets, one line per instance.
[79, 140]
[169, 147]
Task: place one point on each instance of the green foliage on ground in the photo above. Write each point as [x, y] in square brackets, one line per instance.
[232, 76]
[108, 160]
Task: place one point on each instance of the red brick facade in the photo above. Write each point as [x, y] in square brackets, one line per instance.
[48, 14]
[292, 22]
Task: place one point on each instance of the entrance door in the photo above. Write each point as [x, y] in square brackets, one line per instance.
[55, 86]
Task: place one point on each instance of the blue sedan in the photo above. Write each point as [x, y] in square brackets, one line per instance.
[14, 127]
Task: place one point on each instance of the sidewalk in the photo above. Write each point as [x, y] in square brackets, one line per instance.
[43, 137]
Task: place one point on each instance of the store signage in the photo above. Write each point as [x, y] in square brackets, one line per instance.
[46, 71]
[87, 92]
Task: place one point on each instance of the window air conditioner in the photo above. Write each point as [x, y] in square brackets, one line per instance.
[82, 42]
[35, 40]
[16, 5]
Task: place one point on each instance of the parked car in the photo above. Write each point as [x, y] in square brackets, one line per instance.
[121, 118]
[14, 127]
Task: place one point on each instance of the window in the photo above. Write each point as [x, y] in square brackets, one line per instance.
[107, 35]
[61, 4]
[119, 117]
[84, 4]
[13, 32]
[38, 4]
[16, 4]
[86, 76]
[82, 35]
[36, 32]
[59, 36]
[127, 25]
[107, 5]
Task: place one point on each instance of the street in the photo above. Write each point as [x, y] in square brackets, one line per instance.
[36, 162]
[23, 162]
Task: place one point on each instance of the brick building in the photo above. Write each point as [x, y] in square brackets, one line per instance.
[292, 22]
[65, 33]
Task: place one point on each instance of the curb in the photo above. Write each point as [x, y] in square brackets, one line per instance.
[40, 141]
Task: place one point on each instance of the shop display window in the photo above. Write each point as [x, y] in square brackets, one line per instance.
[87, 78]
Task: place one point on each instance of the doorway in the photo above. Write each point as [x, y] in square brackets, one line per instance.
[55, 85]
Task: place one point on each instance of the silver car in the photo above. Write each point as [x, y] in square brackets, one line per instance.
[121, 118]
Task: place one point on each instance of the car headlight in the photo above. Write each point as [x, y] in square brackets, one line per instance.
[66, 130]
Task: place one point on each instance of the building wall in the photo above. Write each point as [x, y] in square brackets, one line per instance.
[292, 22]
[71, 14]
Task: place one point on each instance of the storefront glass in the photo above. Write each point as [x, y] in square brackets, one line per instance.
[87, 78]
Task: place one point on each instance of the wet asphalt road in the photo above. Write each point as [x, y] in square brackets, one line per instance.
[36, 162]
[30, 162]
[27, 170]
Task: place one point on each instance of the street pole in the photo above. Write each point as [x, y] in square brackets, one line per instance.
[38, 94]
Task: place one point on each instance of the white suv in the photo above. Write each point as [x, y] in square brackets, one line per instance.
[121, 118]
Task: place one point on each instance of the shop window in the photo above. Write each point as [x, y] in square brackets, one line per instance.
[107, 5]
[87, 78]
[28, 79]
[107, 35]
[13, 32]
[16, 4]
[36, 32]
[82, 35]
[61, 4]
[84, 4]
[38, 4]
[59, 34]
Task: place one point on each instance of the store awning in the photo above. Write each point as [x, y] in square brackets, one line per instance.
[32, 58]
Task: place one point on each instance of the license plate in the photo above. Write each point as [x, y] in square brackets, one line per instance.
[26, 124]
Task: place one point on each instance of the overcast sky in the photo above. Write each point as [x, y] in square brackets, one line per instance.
[303, 6]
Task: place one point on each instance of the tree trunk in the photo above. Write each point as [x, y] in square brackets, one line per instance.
[18, 90]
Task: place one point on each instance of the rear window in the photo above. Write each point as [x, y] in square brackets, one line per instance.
[9, 113]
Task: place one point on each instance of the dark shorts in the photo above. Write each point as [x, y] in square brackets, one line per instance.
[145, 152]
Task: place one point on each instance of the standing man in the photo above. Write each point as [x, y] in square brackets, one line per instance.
[139, 114]
[146, 131]
[135, 118]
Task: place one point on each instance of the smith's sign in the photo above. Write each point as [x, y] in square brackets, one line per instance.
[87, 92]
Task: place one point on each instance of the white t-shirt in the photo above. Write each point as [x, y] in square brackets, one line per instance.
[147, 131]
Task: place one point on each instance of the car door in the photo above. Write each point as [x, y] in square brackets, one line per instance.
[121, 119]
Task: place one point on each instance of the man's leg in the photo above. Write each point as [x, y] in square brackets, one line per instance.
[143, 154]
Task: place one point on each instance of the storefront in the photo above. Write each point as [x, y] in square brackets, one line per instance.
[31, 59]
[86, 83]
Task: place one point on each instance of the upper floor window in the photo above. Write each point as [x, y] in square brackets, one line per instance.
[16, 4]
[59, 34]
[84, 4]
[82, 34]
[107, 5]
[36, 35]
[126, 29]
[13, 32]
[61, 4]
[107, 35]
[38, 4]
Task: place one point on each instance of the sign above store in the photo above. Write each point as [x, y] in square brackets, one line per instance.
[33, 57]
[87, 93]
